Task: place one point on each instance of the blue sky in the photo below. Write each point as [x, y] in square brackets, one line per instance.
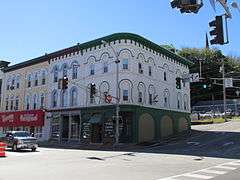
[30, 28]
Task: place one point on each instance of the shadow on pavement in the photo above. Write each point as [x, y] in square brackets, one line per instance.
[216, 144]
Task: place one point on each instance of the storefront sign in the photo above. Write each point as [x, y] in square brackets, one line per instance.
[22, 118]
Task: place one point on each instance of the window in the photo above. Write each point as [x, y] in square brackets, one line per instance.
[165, 76]
[28, 103]
[42, 101]
[8, 84]
[64, 98]
[36, 79]
[55, 75]
[125, 63]
[54, 99]
[18, 82]
[140, 100]
[178, 104]
[35, 101]
[92, 69]
[65, 72]
[140, 70]
[74, 71]
[150, 99]
[125, 95]
[6, 104]
[166, 99]
[73, 97]
[13, 83]
[43, 78]
[17, 103]
[11, 103]
[29, 80]
[149, 70]
[105, 67]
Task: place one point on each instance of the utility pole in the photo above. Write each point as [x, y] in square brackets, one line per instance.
[224, 90]
[117, 61]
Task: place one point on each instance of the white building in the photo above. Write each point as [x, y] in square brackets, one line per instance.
[154, 101]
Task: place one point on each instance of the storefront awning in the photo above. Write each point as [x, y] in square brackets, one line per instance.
[95, 120]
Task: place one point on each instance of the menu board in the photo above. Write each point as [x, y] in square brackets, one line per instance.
[108, 129]
[86, 130]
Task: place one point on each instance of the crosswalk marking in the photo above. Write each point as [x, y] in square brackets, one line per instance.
[234, 163]
[226, 167]
[207, 173]
[213, 171]
[198, 176]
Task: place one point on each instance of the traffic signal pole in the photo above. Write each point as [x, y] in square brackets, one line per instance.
[224, 90]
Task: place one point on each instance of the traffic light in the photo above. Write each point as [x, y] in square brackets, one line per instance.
[187, 6]
[178, 83]
[92, 90]
[64, 82]
[217, 32]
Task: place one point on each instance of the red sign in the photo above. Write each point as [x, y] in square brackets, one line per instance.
[22, 118]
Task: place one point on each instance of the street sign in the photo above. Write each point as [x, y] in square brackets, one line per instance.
[194, 77]
[228, 82]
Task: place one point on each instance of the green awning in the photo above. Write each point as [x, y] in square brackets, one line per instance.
[95, 120]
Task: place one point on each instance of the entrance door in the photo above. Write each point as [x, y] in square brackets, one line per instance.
[96, 133]
[65, 128]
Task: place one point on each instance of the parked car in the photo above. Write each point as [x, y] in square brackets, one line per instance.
[207, 115]
[20, 140]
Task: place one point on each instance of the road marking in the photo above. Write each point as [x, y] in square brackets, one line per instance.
[198, 176]
[210, 170]
[229, 143]
[234, 163]
[225, 167]
[213, 171]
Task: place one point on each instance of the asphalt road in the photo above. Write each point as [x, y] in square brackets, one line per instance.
[212, 154]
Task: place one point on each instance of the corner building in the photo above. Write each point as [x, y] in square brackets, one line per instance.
[153, 104]
[151, 107]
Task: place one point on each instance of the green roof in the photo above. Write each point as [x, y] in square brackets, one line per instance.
[96, 42]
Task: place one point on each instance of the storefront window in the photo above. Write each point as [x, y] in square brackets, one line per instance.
[55, 129]
[75, 125]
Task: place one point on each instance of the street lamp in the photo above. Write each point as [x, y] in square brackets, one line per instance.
[117, 61]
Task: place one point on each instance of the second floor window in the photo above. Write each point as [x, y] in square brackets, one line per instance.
[55, 75]
[125, 95]
[105, 67]
[6, 104]
[140, 97]
[18, 82]
[11, 104]
[150, 99]
[16, 103]
[42, 101]
[35, 101]
[28, 103]
[125, 63]
[149, 70]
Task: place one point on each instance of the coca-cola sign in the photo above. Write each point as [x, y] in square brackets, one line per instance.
[22, 118]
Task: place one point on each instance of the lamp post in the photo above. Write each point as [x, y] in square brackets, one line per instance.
[117, 61]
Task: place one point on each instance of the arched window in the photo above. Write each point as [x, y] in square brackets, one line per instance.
[11, 103]
[8, 83]
[6, 103]
[36, 79]
[13, 83]
[43, 77]
[54, 98]
[166, 98]
[179, 101]
[65, 70]
[55, 74]
[27, 102]
[74, 71]
[64, 98]
[42, 100]
[18, 82]
[35, 99]
[17, 103]
[29, 79]
[73, 97]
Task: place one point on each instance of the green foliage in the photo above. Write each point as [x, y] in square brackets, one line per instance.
[211, 62]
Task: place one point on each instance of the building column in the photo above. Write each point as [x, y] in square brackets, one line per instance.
[80, 126]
